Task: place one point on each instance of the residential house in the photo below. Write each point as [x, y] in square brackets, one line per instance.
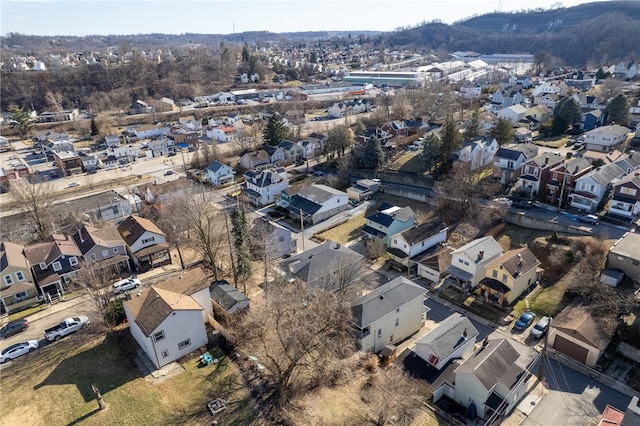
[48, 136]
[190, 123]
[549, 100]
[397, 128]
[471, 90]
[626, 70]
[323, 266]
[195, 284]
[433, 263]
[112, 140]
[219, 174]
[102, 248]
[68, 161]
[254, 159]
[563, 177]
[523, 134]
[261, 187]
[507, 162]
[166, 105]
[148, 131]
[626, 197]
[490, 380]
[146, 244]
[185, 139]
[319, 138]
[291, 150]
[317, 202]
[513, 113]
[140, 107]
[388, 314]
[222, 133]
[351, 107]
[416, 240]
[545, 87]
[509, 276]
[18, 289]
[625, 256]
[506, 98]
[468, 262]
[54, 116]
[416, 127]
[310, 148]
[276, 156]
[577, 334]
[227, 299]
[454, 338]
[53, 263]
[382, 135]
[89, 161]
[605, 138]
[160, 192]
[161, 146]
[270, 240]
[592, 119]
[388, 221]
[534, 173]
[363, 189]
[537, 115]
[477, 153]
[581, 80]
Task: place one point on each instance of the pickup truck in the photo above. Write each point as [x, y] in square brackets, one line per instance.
[67, 326]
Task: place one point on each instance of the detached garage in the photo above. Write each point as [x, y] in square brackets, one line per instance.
[575, 333]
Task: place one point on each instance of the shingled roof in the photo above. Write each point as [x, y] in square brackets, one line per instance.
[493, 363]
[133, 227]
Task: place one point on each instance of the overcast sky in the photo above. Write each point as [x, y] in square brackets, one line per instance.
[84, 17]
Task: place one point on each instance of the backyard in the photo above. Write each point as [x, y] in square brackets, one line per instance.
[54, 386]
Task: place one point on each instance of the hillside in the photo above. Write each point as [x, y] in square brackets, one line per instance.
[592, 33]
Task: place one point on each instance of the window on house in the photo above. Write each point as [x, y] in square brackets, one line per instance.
[635, 263]
[494, 273]
[43, 266]
[57, 266]
[395, 241]
[73, 261]
[433, 360]
[105, 253]
[397, 322]
[92, 256]
[158, 336]
[466, 263]
[115, 249]
[379, 333]
[20, 297]
[504, 278]
[8, 280]
[460, 260]
[184, 344]
[147, 240]
[165, 353]
[20, 276]
[397, 310]
[281, 238]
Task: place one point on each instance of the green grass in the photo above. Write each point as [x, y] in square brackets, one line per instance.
[345, 232]
[29, 311]
[409, 162]
[53, 386]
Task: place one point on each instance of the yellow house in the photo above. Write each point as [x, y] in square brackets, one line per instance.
[508, 276]
[17, 288]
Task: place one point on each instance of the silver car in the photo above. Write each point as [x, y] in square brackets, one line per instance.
[18, 349]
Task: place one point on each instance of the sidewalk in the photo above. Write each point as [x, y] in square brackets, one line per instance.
[535, 392]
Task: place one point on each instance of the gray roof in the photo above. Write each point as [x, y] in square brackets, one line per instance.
[627, 246]
[214, 166]
[226, 295]
[319, 193]
[314, 264]
[510, 154]
[449, 335]
[487, 245]
[385, 299]
[423, 231]
[494, 363]
[605, 174]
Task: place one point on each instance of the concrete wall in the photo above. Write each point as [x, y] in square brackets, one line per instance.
[395, 177]
[535, 223]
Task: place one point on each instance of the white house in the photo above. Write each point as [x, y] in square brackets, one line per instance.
[469, 261]
[545, 87]
[166, 324]
[148, 131]
[478, 153]
[261, 187]
[89, 161]
[626, 196]
[317, 203]
[453, 338]
[219, 173]
[344, 108]
[388, 314]
[416, 240]
[507, 162]
[222, 133]
[112, 140]
[310, 148]
[472, 91]
[604, 138]
[162, 146]
[146, 244]
[513, 113]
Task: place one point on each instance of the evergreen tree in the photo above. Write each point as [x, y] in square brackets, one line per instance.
[473, 126]
[242, 243]
[569, 110]
[25, 123]
[275, 130]
[246, 54]
[503, 131]
[430, 151]
[373, 155]
[618, 110]
[451, 140]
[601, 74]
[94, 127]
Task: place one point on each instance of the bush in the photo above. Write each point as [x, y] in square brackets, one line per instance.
[115, 312]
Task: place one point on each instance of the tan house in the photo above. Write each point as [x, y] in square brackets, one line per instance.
[509, 276]
[17, 289]
[624, 255]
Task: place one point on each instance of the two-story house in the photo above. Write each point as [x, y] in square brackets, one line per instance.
[592, 119]
[102, 248]
[276, 156]
[535, 173]
[147, 131]
[316, 202]
[468, 262]
[271, 240]
[371, 132]
[397, 128]
[388, 314]
[604, 138]
[161, 146]
[626, 196]
[219, 174]
[291, 150]
[250, 160]
[562, 179]
[222, 133]
[146, 244]
[310, 148]
[625, 256]
[18, 289]
[261, 187]
[509, 276]
[53, 263]
[185, 139]
[537, 115]
[416, 240]
[513, 113]
[454, 338]
[477, 153]
[388, 221]
[549, 99]
[507, 162]
[345, 108]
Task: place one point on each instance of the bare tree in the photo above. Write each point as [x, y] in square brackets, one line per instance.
[296, 334]
[35, 201]
[375, 247]
[96, 281]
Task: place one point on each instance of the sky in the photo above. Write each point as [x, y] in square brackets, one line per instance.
[102, 17]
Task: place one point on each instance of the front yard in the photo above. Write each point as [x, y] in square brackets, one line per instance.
[53, 386]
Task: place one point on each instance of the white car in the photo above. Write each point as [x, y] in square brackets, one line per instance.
[126, 284]
[18, 349]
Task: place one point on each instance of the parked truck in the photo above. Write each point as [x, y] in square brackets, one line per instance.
[67, 326]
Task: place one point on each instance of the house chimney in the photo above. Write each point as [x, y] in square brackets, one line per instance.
[464, 333]
[485, 342]
[546, 159]
[381, 296]
[481, 254]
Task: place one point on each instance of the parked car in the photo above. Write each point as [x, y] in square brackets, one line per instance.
[73, 185]
[14, 327]
[168, 173]
[540, 329]
[524, 321]
[318, 173]
[18, 349]
[66, 327]
[126, 284]
[503, 200]
[589, 218]
[522, 204]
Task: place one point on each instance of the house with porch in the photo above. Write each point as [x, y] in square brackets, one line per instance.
[507, 162]
[563, 177]
[509, 276]
[317, 202]
[534, 173]
[416, 240]
[261, 187]
[604, 138]
[291, 150]
[310, 148]
[388, 221]
[146, 244]
[219, 174]
[549, 100]
[103, 249]
[222, 133]
[454, 338]
[161, 146]
[468, 263]
[625, 202]
[53, 264]
[388, 314]
[18, 290]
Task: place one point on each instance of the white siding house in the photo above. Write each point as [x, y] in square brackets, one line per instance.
[219, 173]
[468, 262]
[416, 240]
[453, 338]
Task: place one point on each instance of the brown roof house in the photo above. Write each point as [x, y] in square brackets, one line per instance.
[146, 243]
[103, 248]
[168, 319]
[17, 289]
[577, 334]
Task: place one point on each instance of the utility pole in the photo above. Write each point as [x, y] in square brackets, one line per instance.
[233, 264]
[564, 183]
[302, 227]
[544, 351]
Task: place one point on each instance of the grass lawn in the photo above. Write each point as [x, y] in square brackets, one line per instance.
[53, 386]
[553, 142]
[346, 232]
[409, 162]
[519, 236]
